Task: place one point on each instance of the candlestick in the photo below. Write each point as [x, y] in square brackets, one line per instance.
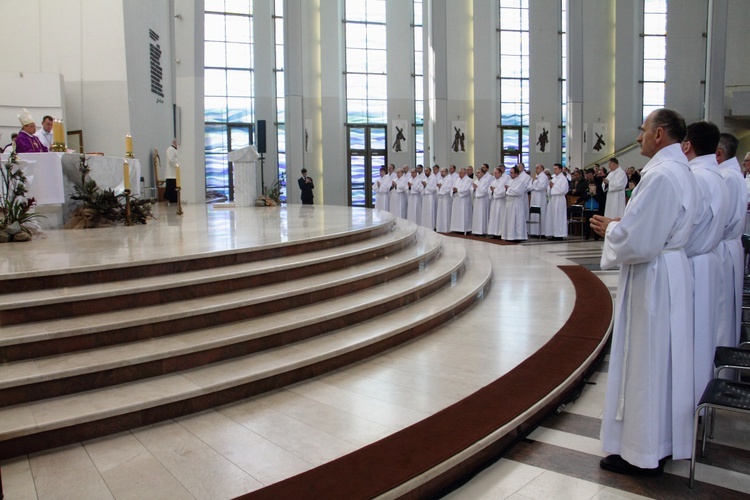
[126, 175]
[177, 176]
[128, 219]
[58, 137]
[129, 146]
[57, 131]
[179, 201]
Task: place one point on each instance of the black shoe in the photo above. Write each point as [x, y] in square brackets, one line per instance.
[615, 463]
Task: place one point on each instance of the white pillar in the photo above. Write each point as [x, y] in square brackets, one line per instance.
[575, 84]
[188, 48]
[716, 61]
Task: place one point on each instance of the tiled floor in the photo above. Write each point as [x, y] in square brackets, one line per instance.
[560, 459]
[240, 447]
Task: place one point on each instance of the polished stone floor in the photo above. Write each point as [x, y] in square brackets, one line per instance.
[230, 450]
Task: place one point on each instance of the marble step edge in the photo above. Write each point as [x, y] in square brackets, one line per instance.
[41, 305]
[47, 338]
[83, 275]
[20, 433]
[25, 381]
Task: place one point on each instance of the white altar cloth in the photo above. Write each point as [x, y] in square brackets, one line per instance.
[52, 175]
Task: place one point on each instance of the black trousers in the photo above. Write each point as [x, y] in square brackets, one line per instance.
[170, 191]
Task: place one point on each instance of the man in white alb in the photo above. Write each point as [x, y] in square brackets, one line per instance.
[497, 193]
[45, 134]
[702, 248]
[539, 187]
[461, 209]
[416, 188]
[648, 407]
[556, 220]
[445, 202]
[728, 329]
[614, 185]
[514, 214]
[481, 209]
[429, 198]
[382, 187]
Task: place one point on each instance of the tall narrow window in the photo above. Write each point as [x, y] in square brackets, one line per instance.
[278, 25]
[654, 54]
[418, 83]
[228, 112]
[564, 81]
[366, 96]
[514, 81]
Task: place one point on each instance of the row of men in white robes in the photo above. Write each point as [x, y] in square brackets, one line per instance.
[481, 203]
[679, 293]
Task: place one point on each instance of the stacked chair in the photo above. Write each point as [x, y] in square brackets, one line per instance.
[722, 393]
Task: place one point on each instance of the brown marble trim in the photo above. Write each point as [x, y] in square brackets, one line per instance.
[421, 447]
[81, 432]
[195, 263]
[579, 425]
[717, 455]
[584, 466]
[149, 298]
[51, 347]
[94, 380]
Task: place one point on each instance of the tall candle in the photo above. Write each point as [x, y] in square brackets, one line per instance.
[128, 144]
[58, 133]
[177, 176]
[126, 175]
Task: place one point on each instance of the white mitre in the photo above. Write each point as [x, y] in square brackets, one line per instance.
[25, 117]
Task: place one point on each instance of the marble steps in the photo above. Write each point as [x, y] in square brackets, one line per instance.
[40, 378]
[54, 303]
[87, 275]
[45, 338]
[35, 426]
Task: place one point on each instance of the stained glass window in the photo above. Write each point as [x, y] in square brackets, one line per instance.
[654, 54]
[229, 86]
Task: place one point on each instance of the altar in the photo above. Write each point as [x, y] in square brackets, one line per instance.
[53, 177]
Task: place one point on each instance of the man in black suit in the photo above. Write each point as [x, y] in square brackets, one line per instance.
[306, 186]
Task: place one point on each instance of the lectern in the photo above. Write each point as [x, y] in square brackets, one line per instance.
[245, 183]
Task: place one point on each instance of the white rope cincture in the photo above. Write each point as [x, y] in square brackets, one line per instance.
[626, 340]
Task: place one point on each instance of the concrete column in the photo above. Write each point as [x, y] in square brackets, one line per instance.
[399, 67]
[575, 83]
[325, 104]
[716, 61]
[437, 80]
[485, 89]
[628, 71]
[265, 86]
[544, 83]
[294, 68]
[189, 88]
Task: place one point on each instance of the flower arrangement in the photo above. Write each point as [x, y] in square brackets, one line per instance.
[271, 196]
[17, 219]
[102, 208]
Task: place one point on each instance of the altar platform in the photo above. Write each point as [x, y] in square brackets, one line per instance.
[308, 351]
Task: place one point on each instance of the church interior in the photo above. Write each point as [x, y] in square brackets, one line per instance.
[224, 349]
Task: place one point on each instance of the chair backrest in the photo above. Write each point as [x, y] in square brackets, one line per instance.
[533, 209]
[576, 211]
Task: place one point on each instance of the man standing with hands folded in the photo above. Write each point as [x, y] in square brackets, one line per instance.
[649, 401]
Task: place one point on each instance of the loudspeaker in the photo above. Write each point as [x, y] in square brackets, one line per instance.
[261, 137]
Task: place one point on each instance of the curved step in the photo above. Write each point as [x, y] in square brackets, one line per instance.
[44, 305]
[36, 426]
[35, 379]
[123, 267]
[19, 342]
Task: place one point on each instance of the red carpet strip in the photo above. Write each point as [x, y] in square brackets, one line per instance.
[394, 460]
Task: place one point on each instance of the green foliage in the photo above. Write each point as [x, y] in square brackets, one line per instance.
[108, 206]
[16, 207]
